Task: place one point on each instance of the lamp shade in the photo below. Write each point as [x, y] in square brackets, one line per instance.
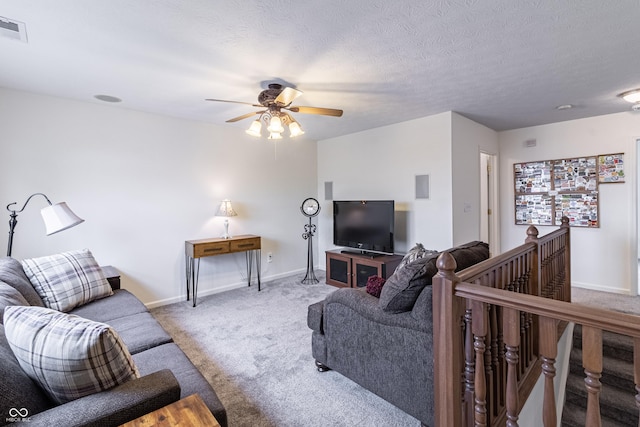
[225, 209]
[59, 217]
[254, 129]
[275, 126]
[295, 129]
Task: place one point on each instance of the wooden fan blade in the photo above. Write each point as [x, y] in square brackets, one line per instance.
[234, 102]
[287, 96]
[244, 116]
[317, 110]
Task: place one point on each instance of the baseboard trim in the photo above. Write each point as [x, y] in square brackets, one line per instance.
[593, 287]
[222, 288]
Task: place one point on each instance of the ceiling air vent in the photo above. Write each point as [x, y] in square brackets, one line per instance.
[12, 29]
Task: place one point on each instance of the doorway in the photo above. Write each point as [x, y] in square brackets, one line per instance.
[489, 221]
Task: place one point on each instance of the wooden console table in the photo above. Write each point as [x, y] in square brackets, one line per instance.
[187, 412]
[196, 249]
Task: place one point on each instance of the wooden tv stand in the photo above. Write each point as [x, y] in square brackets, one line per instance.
[347, 268]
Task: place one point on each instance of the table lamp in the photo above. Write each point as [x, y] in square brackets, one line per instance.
[56, 218]
[226, 210]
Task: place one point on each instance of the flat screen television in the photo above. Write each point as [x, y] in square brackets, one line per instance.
[366, 225]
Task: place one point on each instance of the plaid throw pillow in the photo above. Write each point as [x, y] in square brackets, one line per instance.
[67, 280]
[68, 356]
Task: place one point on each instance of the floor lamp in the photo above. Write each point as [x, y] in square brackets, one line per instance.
[56, 218]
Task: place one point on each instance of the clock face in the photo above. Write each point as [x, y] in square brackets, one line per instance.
[310, 207]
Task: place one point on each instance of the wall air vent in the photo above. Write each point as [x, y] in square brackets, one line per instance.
[12, 29]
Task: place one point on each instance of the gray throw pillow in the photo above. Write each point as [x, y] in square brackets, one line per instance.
[9, 296]
[404, 287]
[418, 251]
[12, 273]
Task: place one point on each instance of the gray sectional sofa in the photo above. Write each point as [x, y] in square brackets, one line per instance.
[166, 374]
[385, 344]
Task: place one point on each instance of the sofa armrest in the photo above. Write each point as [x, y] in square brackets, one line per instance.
[314, 316]
[368, 307]
[115, 406]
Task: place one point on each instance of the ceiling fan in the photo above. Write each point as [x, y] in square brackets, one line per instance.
[275, 100]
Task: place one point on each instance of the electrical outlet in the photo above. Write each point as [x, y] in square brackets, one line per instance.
[269, 257]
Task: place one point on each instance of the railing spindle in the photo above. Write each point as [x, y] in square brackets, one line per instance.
[549, 352]
[511, 325]
[592, 364]
[636, 370]
[479, 326]
[469, 365]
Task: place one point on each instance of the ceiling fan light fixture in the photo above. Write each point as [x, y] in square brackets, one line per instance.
[295, 129]
[632, 96]
[254, 129]
[276, 101]
[275, 125]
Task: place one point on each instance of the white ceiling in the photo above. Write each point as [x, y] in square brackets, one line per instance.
[503, 63]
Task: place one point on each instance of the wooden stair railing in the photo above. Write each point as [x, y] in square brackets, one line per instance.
[478, 361]
[550, 312]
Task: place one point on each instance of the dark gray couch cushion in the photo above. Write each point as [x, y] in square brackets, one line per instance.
[9, 296]
[402, 289]
[140, 332]
[121, 303]
[169, 356]
[17, 390]
[12, 273]
[469, 254]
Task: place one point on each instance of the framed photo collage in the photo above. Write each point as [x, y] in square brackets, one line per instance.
[545, 191]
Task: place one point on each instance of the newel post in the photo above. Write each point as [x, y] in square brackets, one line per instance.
[536, 267]
[448, 311]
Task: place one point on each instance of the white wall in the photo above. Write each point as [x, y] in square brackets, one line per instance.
[146, 183]
[469, 139]
[604, 258]
[382, 163]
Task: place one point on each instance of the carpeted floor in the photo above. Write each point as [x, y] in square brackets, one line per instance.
[617, 403]
[255, 349]
[607, 300]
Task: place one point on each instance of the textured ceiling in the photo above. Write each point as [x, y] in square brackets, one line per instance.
[503, 63]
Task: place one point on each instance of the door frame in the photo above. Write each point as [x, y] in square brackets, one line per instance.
[489, 201]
